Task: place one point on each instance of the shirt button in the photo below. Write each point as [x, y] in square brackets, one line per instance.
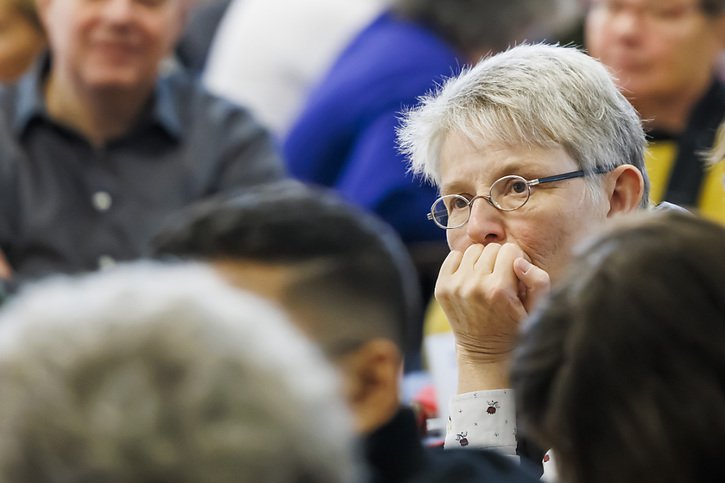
[105, 262]
[102, 200]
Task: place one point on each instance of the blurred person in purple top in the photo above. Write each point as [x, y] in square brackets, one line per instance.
[345, 136]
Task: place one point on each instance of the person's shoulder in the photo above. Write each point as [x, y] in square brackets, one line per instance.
[391, 63]
[199, 106]
[391, 45]
[218, 135]
[475, 465]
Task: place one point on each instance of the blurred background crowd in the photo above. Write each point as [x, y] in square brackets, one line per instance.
[318, 240]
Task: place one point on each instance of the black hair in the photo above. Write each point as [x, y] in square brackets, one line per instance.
[351, 264]
[713, 8]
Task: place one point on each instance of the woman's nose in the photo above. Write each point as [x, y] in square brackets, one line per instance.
[485, 224]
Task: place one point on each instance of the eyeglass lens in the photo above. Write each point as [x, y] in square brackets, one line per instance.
[508, 193]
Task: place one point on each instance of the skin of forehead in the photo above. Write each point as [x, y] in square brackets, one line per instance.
[521, 164]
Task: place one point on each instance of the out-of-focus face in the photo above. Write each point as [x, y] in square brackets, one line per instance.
[20, 42]
[111, 44]
[271, 281]
[658, 49]
[554, 218]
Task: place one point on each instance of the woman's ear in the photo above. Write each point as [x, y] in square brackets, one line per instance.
[625, 189]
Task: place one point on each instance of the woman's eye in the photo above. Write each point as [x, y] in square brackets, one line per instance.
[518, 187]
[459, 203]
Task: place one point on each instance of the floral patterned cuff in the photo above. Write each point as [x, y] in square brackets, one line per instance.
[483, 419]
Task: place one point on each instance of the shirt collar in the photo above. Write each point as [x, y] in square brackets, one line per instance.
[31, 101]
[163, 111]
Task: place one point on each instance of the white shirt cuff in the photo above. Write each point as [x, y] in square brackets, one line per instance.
[483, 419]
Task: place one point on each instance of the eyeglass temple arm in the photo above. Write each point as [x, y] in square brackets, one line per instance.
[569, 175]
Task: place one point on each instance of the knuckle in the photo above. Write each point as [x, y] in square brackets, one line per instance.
[442, 293]
[468, 291]
[498, 293]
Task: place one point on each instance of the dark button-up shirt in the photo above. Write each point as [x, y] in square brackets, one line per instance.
[67, 206]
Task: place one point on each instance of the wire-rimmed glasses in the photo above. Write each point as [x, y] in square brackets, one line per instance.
[508, 193]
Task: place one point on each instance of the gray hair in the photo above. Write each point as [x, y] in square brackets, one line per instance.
[531, 95]
[164, 374]
[473, 25]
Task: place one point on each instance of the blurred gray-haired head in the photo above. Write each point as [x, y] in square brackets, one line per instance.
[541, 96]
[491, 25]
[164, 374]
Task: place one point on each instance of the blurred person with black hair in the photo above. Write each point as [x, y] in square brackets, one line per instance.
[622, 370]
[346, 280]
